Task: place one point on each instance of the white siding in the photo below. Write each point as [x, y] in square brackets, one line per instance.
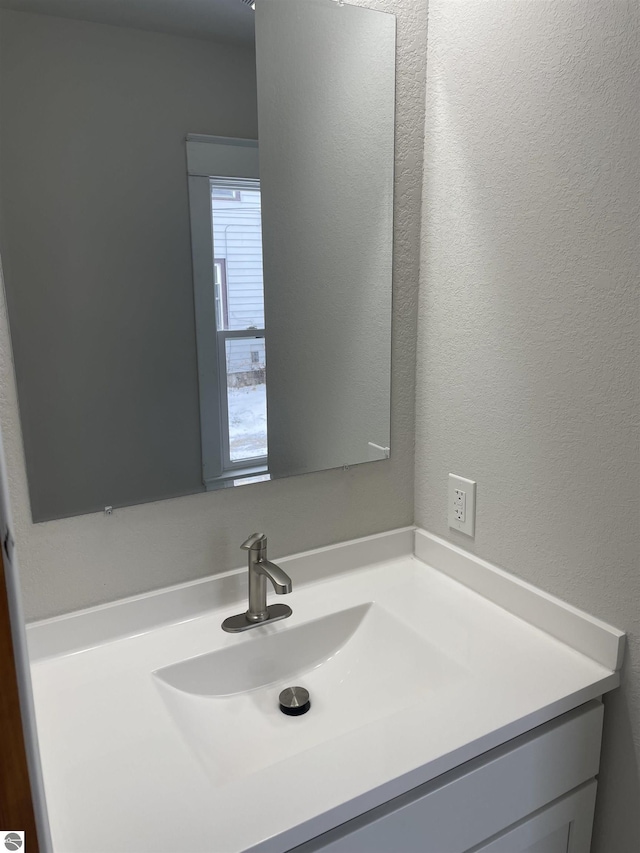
[237, 237]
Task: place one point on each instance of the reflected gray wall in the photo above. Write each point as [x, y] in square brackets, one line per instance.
[93, 173]
[326, 130]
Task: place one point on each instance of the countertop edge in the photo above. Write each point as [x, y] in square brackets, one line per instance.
[428, 773]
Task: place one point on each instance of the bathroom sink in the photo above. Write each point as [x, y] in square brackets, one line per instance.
[275, 656]
[359, 665]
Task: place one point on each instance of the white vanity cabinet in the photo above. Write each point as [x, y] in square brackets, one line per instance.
[534, 794]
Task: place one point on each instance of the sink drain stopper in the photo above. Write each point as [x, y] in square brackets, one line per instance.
[294, 701]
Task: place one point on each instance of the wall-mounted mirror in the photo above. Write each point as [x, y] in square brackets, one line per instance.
[197, 267]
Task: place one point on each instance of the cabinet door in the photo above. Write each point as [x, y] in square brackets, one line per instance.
[562, 827]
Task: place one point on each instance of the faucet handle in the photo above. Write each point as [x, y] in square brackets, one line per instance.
[257, 541]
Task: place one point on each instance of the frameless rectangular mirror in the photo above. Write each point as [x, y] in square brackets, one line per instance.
[196, 235]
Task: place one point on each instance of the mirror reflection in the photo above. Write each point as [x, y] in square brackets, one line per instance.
[196, 242]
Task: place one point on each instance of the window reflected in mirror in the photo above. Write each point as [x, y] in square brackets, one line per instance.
[239, 305]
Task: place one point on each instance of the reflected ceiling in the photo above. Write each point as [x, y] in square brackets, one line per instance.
[230, 21]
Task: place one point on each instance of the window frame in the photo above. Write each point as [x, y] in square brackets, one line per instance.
[210, 158]
[234, 197]
[229, 465]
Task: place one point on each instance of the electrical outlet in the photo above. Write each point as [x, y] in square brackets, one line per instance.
[462, 504]
[459, 505]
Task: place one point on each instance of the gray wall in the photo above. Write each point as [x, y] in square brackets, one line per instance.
[77, 562]
[528, 362]
[97, 253]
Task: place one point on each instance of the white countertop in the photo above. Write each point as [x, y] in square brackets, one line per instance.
[120, 776]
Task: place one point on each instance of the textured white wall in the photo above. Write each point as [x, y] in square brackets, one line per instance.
[528, 334]
[81, 561]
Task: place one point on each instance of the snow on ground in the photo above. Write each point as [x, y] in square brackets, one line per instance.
[247, 421]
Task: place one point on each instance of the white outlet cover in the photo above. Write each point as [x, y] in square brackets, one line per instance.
[467, 526]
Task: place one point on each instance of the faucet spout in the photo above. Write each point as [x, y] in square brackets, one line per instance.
[278, 577]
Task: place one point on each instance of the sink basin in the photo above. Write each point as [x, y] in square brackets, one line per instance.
[278, 656]
[359, 665]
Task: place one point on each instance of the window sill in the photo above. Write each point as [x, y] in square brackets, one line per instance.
[228, 479]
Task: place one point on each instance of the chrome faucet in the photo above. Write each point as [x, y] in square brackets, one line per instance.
[259, 570]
